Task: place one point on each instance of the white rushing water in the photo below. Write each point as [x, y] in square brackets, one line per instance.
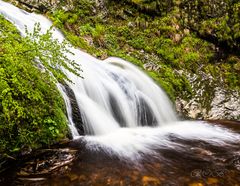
[116, 100]
[134, 144]
[113, 93]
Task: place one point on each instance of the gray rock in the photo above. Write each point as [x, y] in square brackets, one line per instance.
[209, 101]
[150, 66]
[225, 105]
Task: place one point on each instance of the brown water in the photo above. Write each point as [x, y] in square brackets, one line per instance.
[198, 164]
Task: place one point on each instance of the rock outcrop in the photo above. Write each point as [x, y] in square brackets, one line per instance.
[210, 100]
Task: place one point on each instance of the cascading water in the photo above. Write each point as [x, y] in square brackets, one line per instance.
[113, 93]
[119, 104]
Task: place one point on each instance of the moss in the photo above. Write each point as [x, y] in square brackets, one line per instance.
[172, 82]
[227, 74]
[32, 111]
[217, 21]
[128, 29]
[128, 38]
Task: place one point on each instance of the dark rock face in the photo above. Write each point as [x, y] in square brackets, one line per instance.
[76, 113]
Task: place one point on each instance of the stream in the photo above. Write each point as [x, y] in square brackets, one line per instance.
[181, 161]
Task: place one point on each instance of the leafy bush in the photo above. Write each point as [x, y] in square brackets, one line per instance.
[32, 111]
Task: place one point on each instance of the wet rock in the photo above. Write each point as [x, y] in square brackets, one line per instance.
[76, 113]
[47, 161]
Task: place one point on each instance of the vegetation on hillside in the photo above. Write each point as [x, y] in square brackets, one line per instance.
[32, 111]
[217, 21]
[153, 32]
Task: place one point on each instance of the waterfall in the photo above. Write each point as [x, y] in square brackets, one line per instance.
[120, 107]
[113, 92]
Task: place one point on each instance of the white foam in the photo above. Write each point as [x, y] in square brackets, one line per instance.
[132, 143]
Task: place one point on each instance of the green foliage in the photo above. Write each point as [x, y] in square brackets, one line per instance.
[172, 83]
[143, 31]
[117, 37]
[49, 52]
[153, 6]
[32, 110]
[228, 72]
[218, 20]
